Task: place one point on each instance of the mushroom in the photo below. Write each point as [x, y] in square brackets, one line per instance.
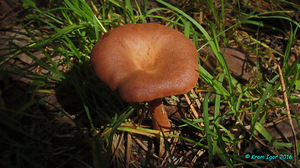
[146, 62]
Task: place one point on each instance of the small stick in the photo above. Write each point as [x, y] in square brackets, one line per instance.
[196, 116]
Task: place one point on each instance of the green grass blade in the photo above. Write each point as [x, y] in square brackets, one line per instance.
[262, 102]
[207, 129]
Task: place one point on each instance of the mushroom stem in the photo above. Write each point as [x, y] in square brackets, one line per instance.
[160, 118]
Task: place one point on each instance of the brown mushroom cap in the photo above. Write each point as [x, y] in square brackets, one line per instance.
[146, 61]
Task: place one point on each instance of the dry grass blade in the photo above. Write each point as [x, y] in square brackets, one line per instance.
[196, 98]
[128, 149]
[161, 150]
[288, 111]
[195, 114]
[144, 147]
